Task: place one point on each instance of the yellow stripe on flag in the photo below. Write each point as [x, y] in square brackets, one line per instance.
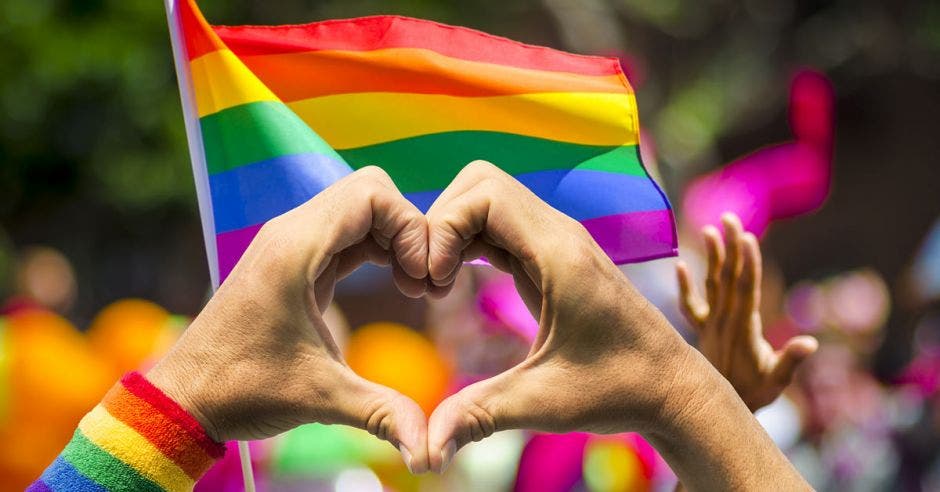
[125, 444]
[355, 120]
[221, 81]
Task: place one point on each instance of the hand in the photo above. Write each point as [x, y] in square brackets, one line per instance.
[603, 358]
[259, 359]
[728, 321]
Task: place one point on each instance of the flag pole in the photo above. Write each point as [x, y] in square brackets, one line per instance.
[201, 176]
[197, 152]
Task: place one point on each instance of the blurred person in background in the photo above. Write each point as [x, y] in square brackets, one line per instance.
[43, 278]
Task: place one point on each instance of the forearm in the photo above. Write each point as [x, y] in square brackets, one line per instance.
[712, 441]
[137, 438]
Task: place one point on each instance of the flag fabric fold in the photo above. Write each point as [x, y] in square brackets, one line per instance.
[283, 111]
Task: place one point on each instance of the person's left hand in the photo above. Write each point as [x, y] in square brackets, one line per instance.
[728, 322]
[259, 359]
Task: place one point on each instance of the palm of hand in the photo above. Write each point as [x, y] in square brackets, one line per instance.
[728, 323]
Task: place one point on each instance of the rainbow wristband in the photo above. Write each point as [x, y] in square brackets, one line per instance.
[137, 438]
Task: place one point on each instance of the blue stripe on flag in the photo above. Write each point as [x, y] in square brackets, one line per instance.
[256, 193]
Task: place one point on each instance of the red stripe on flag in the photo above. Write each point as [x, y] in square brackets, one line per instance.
[199, 36]
[390, 31]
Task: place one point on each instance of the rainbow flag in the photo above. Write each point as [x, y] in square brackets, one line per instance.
[275, 114]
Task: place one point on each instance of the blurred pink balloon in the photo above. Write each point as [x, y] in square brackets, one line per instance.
[551, 463]
[555, 462]
[778, 181]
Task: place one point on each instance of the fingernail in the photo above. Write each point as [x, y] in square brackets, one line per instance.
[406, 457]
[447, 454]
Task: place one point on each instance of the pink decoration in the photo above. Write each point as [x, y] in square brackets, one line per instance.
[501, 304]
[778, 181]
[551, 463]
[226, 474]
[923, 373]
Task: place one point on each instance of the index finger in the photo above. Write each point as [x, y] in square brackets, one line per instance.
[363, 203]
[485, 201]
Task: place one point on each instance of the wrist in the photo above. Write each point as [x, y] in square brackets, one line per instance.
[690, 386]
[667, 371]
[711, 440]
[187, 385]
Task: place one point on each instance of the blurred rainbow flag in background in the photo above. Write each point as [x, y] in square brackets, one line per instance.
[274, 114]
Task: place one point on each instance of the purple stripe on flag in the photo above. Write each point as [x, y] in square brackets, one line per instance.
[627, 238]
[231, 245]
[636, 236]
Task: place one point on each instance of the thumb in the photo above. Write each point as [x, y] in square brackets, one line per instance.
[388, 415]
[793, 353]
[476, 412]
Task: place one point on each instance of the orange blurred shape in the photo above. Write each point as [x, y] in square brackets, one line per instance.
[52, 379]
[130, 332]
[402, 359]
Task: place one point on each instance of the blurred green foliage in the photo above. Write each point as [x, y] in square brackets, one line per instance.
[89, 104]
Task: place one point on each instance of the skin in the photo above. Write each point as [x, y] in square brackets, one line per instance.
[728, 321]
[258, 360]
[605, 360]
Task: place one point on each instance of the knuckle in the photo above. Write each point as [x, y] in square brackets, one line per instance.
[480, 166]
[452, 222]
[578, 230]
[480, 170]
[272, 229]
[374, 175]
[479, 422]
[372, 172]
[712, 282]
[578, 235]
[490, 186]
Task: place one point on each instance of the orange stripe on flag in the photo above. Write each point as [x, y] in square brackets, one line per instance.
[296, 76]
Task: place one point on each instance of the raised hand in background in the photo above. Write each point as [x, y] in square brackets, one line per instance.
[728, 321]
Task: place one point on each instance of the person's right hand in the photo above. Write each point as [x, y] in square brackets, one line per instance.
[728, 321]
[259, 359]
[604, 361]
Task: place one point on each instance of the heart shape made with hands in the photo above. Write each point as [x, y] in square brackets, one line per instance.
[574, 378]
[427, 263]
[558, 269]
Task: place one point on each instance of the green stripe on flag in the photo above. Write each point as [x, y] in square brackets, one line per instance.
[430, 162]
[102, 467]
[261, 131]
[256, 132]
